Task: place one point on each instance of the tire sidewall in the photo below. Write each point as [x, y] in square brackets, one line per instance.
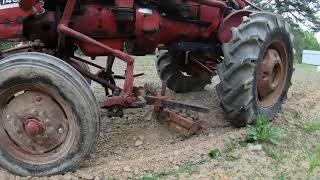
[72, 87]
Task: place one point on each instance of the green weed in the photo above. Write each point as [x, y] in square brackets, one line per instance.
[310, 127]
[263, 131]
[314, 161]
[214, 153]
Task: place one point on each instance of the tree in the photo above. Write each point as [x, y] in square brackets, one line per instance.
[301, 14]
[305, 41]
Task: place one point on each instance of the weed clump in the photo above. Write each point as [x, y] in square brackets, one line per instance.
[263, 131]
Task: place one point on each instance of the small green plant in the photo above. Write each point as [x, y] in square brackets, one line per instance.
[272, 153]
[311, 127]
[214, 153]
[228, 155]
[314, 160]
[263, 131]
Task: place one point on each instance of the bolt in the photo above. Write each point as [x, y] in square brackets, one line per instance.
[8, 116]
[38, 98]
[35, 112]
[61, 130]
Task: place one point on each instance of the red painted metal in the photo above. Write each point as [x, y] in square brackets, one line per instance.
[11, 26]
[101, 30]
[27, 5]
[212, 3]
[232, 20]
[124, 3]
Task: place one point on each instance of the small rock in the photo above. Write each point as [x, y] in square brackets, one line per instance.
[116, 168]
[254, 147]
[149, 117]
[136, 171]
[141, 138]
[127, 169]
[138, 143]
[135, 138]
[171, 159]
[211, 135]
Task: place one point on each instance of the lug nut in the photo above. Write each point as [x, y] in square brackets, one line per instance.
[61, 130]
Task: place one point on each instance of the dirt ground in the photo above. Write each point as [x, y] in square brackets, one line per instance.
[138, 147]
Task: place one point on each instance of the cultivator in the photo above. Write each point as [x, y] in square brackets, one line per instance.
[50, 118]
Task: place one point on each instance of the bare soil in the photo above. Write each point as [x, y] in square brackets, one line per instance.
[138, 147]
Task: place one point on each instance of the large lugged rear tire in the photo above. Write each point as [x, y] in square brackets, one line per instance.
[49, 116]
[257, 68]
[170, 69]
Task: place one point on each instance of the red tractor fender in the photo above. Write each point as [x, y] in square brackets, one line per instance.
[232, 20]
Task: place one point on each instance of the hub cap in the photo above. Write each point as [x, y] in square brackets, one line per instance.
[272, 75]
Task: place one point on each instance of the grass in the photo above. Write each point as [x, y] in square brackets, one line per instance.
[310, 127]
[274, 154]
[228, 155]
[186, 169]
[263, 131]
[314, 161]
[306, 67]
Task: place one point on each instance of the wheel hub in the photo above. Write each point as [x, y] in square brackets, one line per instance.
[33, 127]
[35, 122]
[270, 73]
[271, 77]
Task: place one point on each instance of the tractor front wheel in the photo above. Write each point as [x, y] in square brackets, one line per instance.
[257, 68]
[49, 116]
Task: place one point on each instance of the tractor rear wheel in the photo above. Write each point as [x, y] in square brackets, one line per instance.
[257, 68]
[181, 78]
[49, 116]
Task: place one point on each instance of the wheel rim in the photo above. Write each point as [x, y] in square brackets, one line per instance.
[37, 126]
[272, 74]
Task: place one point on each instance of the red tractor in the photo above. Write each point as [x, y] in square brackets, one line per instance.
[49, 115]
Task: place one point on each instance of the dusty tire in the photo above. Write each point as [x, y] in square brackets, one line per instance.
[169, 70]
[241, 72]
[58, 118]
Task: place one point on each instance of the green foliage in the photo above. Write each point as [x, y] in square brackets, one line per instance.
[263, 131]
[314, 160]
[304, 41]
[300, 14]
[310, 127]
[214, 153]
[6, 45]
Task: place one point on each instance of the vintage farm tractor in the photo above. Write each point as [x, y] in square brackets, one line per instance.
[49, 115]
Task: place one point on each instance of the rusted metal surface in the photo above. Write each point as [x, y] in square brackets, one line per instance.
[272, 74]
[175, 104]
[38, 127]
[93, 77]
[204, 67]
[35, 125]
[186, 126]
[183, 124]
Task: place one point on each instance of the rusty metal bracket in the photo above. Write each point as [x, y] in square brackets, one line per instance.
[183, 124]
